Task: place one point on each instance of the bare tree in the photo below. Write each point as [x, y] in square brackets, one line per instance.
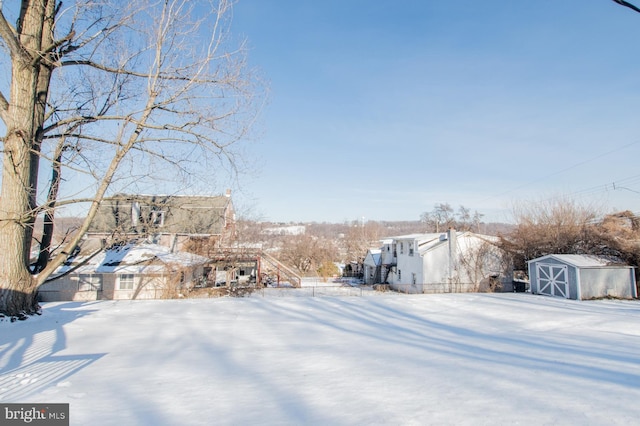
[307, 253]
[484, 265]
[107, 95]
[556, 226]
[359, 237]
[477, 220]
[464, 219]
[442, 217]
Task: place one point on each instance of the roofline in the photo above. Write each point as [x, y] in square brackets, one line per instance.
[607, 265]
[130, 196]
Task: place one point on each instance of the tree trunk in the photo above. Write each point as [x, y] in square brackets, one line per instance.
[16, 226]
[30, 76]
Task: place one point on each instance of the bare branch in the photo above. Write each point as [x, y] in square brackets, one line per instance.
[627, 4]
[103, 67]
[10, 37]
[76, 267]
[123, 71]
[56, 44]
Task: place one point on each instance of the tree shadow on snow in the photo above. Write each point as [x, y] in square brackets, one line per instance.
[568, 355]
[28, 352]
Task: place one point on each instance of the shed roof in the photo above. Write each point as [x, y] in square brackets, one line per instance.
[582, 260]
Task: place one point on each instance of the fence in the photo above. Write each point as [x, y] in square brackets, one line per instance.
[319, 291]
[435, 288]
[313, 291]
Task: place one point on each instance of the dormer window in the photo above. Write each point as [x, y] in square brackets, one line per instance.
[157, 217]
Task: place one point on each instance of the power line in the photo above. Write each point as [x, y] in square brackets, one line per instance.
[565, 170]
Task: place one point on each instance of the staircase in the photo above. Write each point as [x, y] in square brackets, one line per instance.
[387, 271]
[269, 264]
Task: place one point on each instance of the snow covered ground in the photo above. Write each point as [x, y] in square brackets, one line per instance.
[385, 359]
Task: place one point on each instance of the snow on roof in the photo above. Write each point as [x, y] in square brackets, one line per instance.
[132, 259]
[581, 260]
[419, 237]
[375, 255]
[428, 241]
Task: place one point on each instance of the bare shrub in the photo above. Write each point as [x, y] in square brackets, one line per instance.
[560, 226]
[484, 266]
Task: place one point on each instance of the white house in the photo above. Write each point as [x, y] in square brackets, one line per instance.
[443, 262]
[130, 271]
[372, 266]
[581, 277]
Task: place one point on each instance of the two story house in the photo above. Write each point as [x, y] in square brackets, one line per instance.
[153, 239]
[440, 262]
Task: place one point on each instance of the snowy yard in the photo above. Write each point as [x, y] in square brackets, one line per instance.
[382, 359]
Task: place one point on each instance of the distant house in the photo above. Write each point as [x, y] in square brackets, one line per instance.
[443, 262]
[129, 271]
[372, 266]
[285, 230]
[168, 220]
[581, 277]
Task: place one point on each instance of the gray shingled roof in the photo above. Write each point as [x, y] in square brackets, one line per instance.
[204, 215]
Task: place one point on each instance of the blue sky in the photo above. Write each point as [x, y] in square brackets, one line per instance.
[383, 109]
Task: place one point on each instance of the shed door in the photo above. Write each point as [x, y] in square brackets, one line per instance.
[553, 280]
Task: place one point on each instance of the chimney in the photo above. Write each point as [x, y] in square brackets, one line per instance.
[228, 194]
[135, 213]
[452, 237]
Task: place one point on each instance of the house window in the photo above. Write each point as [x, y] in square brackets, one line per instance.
[157, 217]
[401, 248]
[413, 278]
[399, 275]
[411, 249]
[89, 282]
[125, 282]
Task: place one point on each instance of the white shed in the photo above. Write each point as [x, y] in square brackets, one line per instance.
[581, 277]
[372, 266]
